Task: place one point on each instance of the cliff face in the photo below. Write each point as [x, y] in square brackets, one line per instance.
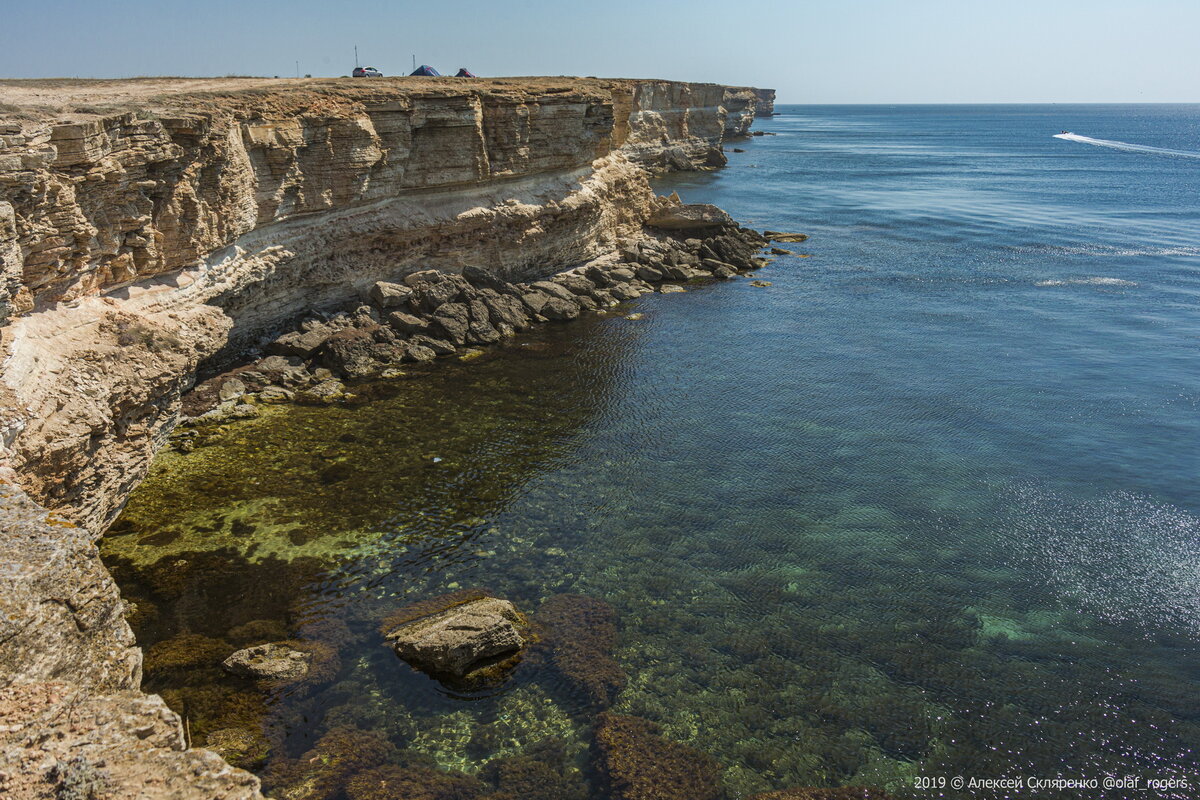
[137, 244]
[166, 223]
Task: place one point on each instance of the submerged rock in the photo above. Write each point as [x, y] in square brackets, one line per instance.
[461, 638]
[273, 661]
[582, 632]
[392, 782]
[322, 773]
[841, 793]
[639, 764]
[780, 236]
[241, 747]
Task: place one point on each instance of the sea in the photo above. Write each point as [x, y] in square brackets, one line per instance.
[921, 513]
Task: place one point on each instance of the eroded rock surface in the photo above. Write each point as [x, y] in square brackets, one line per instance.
[461, 639]
[55, 738]
[273, 661]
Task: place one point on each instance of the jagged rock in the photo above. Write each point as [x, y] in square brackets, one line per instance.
[460, 639]
[439, 347]
[276, 394]
[273, 661]
[688, 218]
[323, 393]
[480, 328]
[414, 279]
[620, 275]
[485, 279]
[431, 293]
[300, 344]
[60, 611]
[575, 283]
[231, 389]
[598, 276]
[779, 251]
[623, 291]
[454, 320]
[390, 295]
[119, 745]
[648, 273]
[415, 351]
[557, 308]
[535, 301]
[406, 323]
[675, 273]
[508, 313]
[349, 352]
[555, 289]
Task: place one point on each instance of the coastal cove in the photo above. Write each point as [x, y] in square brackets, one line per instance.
[154, 232]
[923, 505]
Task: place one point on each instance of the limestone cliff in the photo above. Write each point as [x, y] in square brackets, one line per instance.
[210, 218]
[147, 227]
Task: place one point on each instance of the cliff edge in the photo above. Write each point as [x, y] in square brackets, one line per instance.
[148, 227]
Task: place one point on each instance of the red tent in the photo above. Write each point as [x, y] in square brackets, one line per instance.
[463, 72]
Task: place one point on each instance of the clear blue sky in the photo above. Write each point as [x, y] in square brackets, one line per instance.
[822, 51]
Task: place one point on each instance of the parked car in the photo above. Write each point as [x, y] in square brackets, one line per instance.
[366, 72]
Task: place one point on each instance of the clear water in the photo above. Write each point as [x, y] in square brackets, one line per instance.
[926, 506]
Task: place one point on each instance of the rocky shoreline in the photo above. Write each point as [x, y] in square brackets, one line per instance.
[434, 314]
[298, 242]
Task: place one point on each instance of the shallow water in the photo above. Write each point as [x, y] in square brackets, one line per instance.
[926, 506]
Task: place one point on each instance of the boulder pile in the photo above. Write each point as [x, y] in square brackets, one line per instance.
[430, 313]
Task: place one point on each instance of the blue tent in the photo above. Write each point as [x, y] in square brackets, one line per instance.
[427, 71]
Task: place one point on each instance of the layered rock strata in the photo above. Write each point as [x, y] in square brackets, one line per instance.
[148, 228]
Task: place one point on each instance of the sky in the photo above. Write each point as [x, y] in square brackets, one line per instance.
[821, 51]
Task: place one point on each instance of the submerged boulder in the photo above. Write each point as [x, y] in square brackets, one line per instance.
[272, 661]
[842, 793]
[582, 632]
[639, 764]
[462, 638]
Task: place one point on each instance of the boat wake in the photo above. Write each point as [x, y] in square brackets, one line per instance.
[1126, 146]
[1095, 281]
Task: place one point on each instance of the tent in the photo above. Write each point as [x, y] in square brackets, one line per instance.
[427, 71]
[463, 72]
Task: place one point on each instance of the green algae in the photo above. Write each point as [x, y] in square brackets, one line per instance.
[804, 632]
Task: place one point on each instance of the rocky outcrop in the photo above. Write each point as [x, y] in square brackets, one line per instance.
[136, 245]
[165, 235]
[61, 616]
[462, 639]
[764, 103]
[58, 741]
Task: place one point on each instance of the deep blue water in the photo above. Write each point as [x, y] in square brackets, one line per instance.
[926, 506]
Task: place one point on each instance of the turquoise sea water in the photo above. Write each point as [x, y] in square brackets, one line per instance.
[925, 507]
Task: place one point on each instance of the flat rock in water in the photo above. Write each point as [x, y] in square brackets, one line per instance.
[780, 236]
[273, 661]
[459, 639]
[696, 216]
